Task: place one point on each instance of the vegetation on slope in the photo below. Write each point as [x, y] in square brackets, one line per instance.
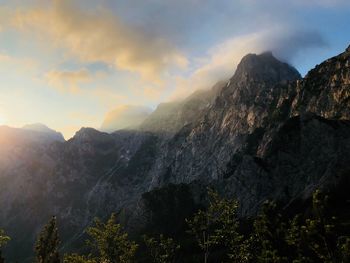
[215, 234]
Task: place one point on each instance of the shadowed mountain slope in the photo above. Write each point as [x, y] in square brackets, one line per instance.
[266, 133]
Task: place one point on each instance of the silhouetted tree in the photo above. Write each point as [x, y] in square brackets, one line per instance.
[162, 249]
[3, 241]
[269, 235]
[46, 248]
[76, 258]
[318, 237]
[110, 242]
[217, 227]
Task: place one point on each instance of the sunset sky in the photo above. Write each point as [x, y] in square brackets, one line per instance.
[67, 63]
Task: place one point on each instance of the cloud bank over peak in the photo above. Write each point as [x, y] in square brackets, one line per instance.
[222, 59]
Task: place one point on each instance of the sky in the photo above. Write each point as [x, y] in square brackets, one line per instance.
[67, 63]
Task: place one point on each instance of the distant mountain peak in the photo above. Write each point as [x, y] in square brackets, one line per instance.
[86, 132]
[265, 67]
[39, 127]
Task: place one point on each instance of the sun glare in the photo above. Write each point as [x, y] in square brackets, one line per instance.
[2, 119]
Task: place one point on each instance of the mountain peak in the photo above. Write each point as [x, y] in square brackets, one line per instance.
[39, 127]
[348, 49]
[265, 67]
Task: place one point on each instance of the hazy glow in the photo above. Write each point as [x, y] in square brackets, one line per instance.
[67, 63]
[2, 119]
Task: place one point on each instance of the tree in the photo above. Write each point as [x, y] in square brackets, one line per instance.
[110, 242]
[3, 241]
[344, 250]
[296, 241]
[75, 258]
[319, 238]
[320, 234]
[46, 248]
[269, 235]
[3, 238]
[161, 250]
[217, 227]
[319, 230]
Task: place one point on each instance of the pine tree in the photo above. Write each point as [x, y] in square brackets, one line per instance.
[110, 242]
[46, 248]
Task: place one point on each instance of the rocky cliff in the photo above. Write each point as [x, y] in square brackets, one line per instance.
[266, 133]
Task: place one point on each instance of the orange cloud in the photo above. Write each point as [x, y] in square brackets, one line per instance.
[101, 36]
[23, 64]
[68, 80]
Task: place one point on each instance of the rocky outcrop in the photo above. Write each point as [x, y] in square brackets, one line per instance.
[246, 103]
[266, 133]
[325, 90]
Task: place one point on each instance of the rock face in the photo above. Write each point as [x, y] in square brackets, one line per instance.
[325, 89]
[266, 133]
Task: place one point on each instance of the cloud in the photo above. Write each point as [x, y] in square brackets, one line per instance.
[222, 59]
[68, 80]
[125, 116]
[23, 64]
[323, 3]
[100, 36]
[106, 97]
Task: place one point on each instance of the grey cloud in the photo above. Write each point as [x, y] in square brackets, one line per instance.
[286, 45]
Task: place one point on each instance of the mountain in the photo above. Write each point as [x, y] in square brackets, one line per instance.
[170, 117]
[28, 135]
[267, 133]
[125, 117]
[38, 127]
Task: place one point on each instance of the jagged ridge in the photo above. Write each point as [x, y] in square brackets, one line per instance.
[247, 141]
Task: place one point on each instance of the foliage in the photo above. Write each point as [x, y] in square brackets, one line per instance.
[316, 236]
[3, 238]
[3, 241]
[269, 235]
[319, 236]
[161, 250]
[46, 248]
[76, 258]
[344, 249]
[110, 242]
[217, 226]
